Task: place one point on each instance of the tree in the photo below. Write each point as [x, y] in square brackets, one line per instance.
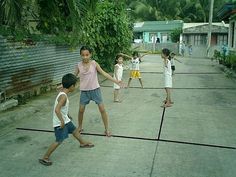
[186, 10]
[11, 12]
[175, 35]
[64, 19]
[108, 31]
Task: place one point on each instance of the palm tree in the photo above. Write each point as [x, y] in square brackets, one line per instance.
[11, 12]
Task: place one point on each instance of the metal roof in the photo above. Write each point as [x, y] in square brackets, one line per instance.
[24, 68]
[150, 26]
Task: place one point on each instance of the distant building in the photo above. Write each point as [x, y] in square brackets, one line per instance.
[196, 33]
[155, 31]
[195, 36]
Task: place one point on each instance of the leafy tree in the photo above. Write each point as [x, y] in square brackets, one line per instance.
[175, 35]
[186, 10]
[104, 25]
[108, 31]
[11, 12]
[64, 19]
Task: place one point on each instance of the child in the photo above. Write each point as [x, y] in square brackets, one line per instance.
[190, 50]
[61, 122]
[90, 89]
[134, 69]
[172, 61]
[118, 73]
[167, 76]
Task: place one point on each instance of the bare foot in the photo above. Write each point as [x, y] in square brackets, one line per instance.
[107, 133]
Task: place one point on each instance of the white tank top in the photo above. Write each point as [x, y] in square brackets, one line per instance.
[64, 111]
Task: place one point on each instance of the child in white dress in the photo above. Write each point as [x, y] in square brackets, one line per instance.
[167, 77]
[118, 73]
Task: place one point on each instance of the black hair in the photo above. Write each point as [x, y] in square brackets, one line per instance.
[166, 52]
[117, 57]
[135, 53]
[86, 48]
[68, 80]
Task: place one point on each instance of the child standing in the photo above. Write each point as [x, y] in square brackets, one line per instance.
[61, 120]
[89, 87]
[134, 69]
[118, 73]
[167, 76]
[190, 50]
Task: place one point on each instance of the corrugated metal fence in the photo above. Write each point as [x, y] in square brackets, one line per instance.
[24, 68]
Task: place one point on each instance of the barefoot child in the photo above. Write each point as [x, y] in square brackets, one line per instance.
[118, 73]
[61, 122]
[135, 60]
[89, 87]
[167, 76]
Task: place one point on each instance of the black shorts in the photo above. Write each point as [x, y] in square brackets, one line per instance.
[173, 68]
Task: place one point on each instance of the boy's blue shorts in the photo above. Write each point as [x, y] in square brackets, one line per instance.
[62, 133]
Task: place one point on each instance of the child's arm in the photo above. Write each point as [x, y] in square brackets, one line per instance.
[61, 102]
[106, 75]
[144, 55]
[165, 62]
[127, 56]
[177, 60]
[76, 71]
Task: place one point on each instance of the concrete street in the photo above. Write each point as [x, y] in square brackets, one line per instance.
[196, 137]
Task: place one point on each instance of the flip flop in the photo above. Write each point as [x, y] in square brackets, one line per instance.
[164, 101]
[45, 162]
[165, 106]
[90, 145]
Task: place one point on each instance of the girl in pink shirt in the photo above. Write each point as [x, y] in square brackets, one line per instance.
[89, 87]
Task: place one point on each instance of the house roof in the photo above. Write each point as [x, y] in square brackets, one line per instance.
[150, 26]
[203, 28]
[190, 25]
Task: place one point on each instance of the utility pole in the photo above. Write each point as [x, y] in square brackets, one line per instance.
[210, 28]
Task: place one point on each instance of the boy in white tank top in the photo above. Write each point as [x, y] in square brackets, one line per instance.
[61, 120]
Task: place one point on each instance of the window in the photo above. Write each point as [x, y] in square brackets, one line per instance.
[199, 39]
[222, 39]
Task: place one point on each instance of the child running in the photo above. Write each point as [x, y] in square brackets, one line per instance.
[118, 73]
[61, 120]
[134, 69]
[167, 76]
[89, 87]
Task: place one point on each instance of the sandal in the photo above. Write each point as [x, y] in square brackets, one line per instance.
[89, 145]
[166, 105]
[164, 101]
[45, 162]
